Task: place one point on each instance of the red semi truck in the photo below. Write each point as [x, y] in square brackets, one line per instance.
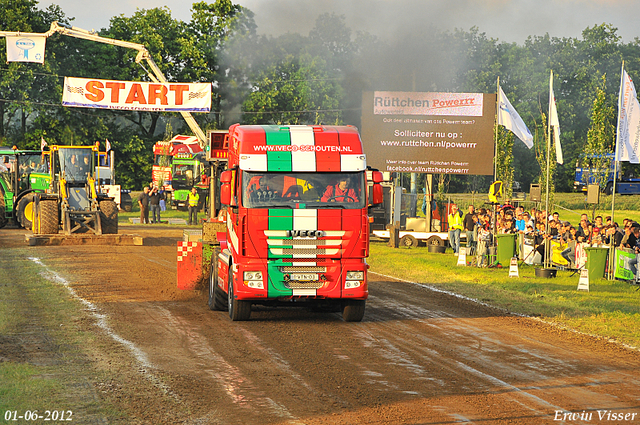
[297, 220]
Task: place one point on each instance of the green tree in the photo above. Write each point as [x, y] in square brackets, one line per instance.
[504, 159]
[600, 136]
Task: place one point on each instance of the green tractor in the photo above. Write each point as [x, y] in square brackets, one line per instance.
[23, 173]
[71, 198]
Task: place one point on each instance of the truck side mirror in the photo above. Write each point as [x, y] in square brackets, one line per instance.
[225, 188]
[377, 196]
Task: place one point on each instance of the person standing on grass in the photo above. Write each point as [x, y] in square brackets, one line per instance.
[154, 205]
[163, 199]
[469, 229]
[455, 228]
[143, 202]
[194, 199]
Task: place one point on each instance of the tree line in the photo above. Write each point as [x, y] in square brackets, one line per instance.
[315, 78]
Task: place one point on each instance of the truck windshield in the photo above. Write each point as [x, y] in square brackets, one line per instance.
[303, 190]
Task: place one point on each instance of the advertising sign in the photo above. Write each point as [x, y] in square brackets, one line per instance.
[26, 48]
[136, 96]
[435, 133]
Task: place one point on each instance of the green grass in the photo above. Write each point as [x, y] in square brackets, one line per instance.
[610, 309]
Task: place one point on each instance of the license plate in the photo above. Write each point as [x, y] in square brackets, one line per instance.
[304, 276]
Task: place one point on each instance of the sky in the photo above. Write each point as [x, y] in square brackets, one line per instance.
[506, 20]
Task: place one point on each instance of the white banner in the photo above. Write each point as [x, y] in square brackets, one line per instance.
[136, 96]
[554, 122]
[628, 135]
[26, 48]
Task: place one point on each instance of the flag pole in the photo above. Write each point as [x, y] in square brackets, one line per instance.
[612, 268]
[495, 133]
[546, 218]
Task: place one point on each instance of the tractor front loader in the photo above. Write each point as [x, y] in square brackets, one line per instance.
[72, 199]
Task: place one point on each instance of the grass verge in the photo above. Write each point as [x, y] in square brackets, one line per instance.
[44, 362]
[611, 309]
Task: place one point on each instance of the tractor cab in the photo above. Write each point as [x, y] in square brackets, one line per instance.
[72, 198]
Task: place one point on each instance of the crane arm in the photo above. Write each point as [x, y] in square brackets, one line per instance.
[155, 75]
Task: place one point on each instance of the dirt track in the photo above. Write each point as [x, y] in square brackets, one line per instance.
[418, 357]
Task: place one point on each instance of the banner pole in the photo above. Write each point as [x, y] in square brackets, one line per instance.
[612, 266]
[495, 133]
[546, 218]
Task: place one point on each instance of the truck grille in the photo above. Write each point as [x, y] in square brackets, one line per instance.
[313, 242]
[302, 269]
[295, 284]
[307, 251]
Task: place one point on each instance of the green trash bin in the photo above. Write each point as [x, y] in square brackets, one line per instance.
[596, 262]
[506, 248]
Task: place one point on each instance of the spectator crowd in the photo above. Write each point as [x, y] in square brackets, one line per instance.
[536, 229]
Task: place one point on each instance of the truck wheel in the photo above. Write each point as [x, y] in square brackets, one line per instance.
[47, 221]
[608, 190]
[434, 240]
[125, 202]
[24, 211]
[217, 300]
[238, 310]
[108, 217]
[409, 241]
[353, 310]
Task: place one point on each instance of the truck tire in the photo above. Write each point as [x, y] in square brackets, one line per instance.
[47, 220]
[24, 211]
[353, 310]
[608, 190]
[435, 240]
[217, 300]
[239, 310]
[409, 241]
[125, 202]
[108, 217]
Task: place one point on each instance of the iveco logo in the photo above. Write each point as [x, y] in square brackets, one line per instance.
[305, 233]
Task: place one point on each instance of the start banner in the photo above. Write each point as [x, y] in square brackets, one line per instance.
[136, 96]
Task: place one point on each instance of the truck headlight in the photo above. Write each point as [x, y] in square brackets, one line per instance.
[355, 275]
[354, 279]
[253, 279]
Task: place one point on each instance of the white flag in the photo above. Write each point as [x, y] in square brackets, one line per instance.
[26, 48]
[628, 135]
[510, 119]
[108, 145]
[553, 121]
[42, 143]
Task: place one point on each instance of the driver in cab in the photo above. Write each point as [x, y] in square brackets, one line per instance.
[340, 192]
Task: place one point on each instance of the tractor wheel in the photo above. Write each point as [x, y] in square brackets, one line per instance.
[109, 217]
[25, 210]
[239, 310]
[46, 219]
[3, 218]
[353, 310]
